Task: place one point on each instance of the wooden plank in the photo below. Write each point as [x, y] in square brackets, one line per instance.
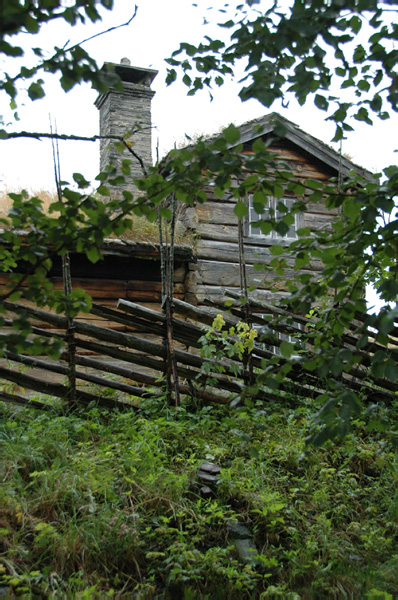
[218, 232]
[56, 389]
[129, 356]
[205, 316]
[217, 293]
[112, 289]
[229, 252]
[217, 213]
[138, 309]
[138, 323]
[320, 208]
[226, 274]
[298, 164]
[28, 402]
[63, 369]
[317, 222]
[220, 213]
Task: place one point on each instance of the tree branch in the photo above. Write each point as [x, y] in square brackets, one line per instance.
[64, 50]
[92, 37]
[79, 138]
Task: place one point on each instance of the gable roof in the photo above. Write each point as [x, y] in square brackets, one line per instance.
[285, 129]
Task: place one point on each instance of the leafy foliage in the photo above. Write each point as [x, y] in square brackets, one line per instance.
[342, 55]
[108, 504]
[73, 64]
[314, 49]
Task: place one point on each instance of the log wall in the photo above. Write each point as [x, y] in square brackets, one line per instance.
[116, 277]
[217, 250]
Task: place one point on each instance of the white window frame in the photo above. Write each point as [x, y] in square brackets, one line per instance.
[286, 337]
[254, 217]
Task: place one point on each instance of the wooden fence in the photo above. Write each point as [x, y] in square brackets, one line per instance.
[135, 362]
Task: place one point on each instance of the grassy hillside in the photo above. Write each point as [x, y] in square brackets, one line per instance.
[110, 505]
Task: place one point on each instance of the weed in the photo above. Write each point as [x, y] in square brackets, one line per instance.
[108, 505]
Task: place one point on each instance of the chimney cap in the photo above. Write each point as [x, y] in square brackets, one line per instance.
[130, 74]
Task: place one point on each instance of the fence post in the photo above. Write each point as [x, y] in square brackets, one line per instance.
[247, 362]
[70, 334]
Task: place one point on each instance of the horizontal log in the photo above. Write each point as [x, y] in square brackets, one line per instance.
[27, 402]
[128, 373]
[317, 222]
[154, 381]
[136, 343]
[220, 213]
[208, 272]
[218, 232]
[319, 208]
[106, 290]
[183, 332]
[142, 325]
[139, 310]
[217, 213]
[229, 252]
[46, 365]
[124, 355]
[205, 316]
[203, 295]
[147, 361]
[267, 307]
[57, 389]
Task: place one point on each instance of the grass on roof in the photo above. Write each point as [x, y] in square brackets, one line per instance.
[141, 229]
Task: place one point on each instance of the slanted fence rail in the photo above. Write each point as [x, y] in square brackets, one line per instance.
[134, 362]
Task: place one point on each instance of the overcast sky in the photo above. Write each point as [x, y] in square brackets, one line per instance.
[156, 31]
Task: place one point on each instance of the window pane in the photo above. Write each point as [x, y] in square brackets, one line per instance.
[255, 217]
[288, 202]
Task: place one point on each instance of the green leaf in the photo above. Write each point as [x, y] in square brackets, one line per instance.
[36, 91]
[359, 54]
[356, 24]
[240, 209]
[391, 372]
[277, 250]
[80, 180]
[286, 349]
[363, 115]
[259, 146]
[231, 134]
[6, 48]
[171, 76]
[93, 254]
[388, 290]
[165, 213]
[321, 102]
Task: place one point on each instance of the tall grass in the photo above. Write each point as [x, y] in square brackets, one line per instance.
[46, 196]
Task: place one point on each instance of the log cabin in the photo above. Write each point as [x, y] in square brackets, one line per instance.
[214, 223]
[131, 270]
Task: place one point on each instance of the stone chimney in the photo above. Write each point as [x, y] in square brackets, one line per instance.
[128, 109]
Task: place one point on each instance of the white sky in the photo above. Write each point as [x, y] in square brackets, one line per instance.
[156, 31]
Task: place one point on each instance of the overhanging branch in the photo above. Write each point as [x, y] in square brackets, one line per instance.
[78, 138]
